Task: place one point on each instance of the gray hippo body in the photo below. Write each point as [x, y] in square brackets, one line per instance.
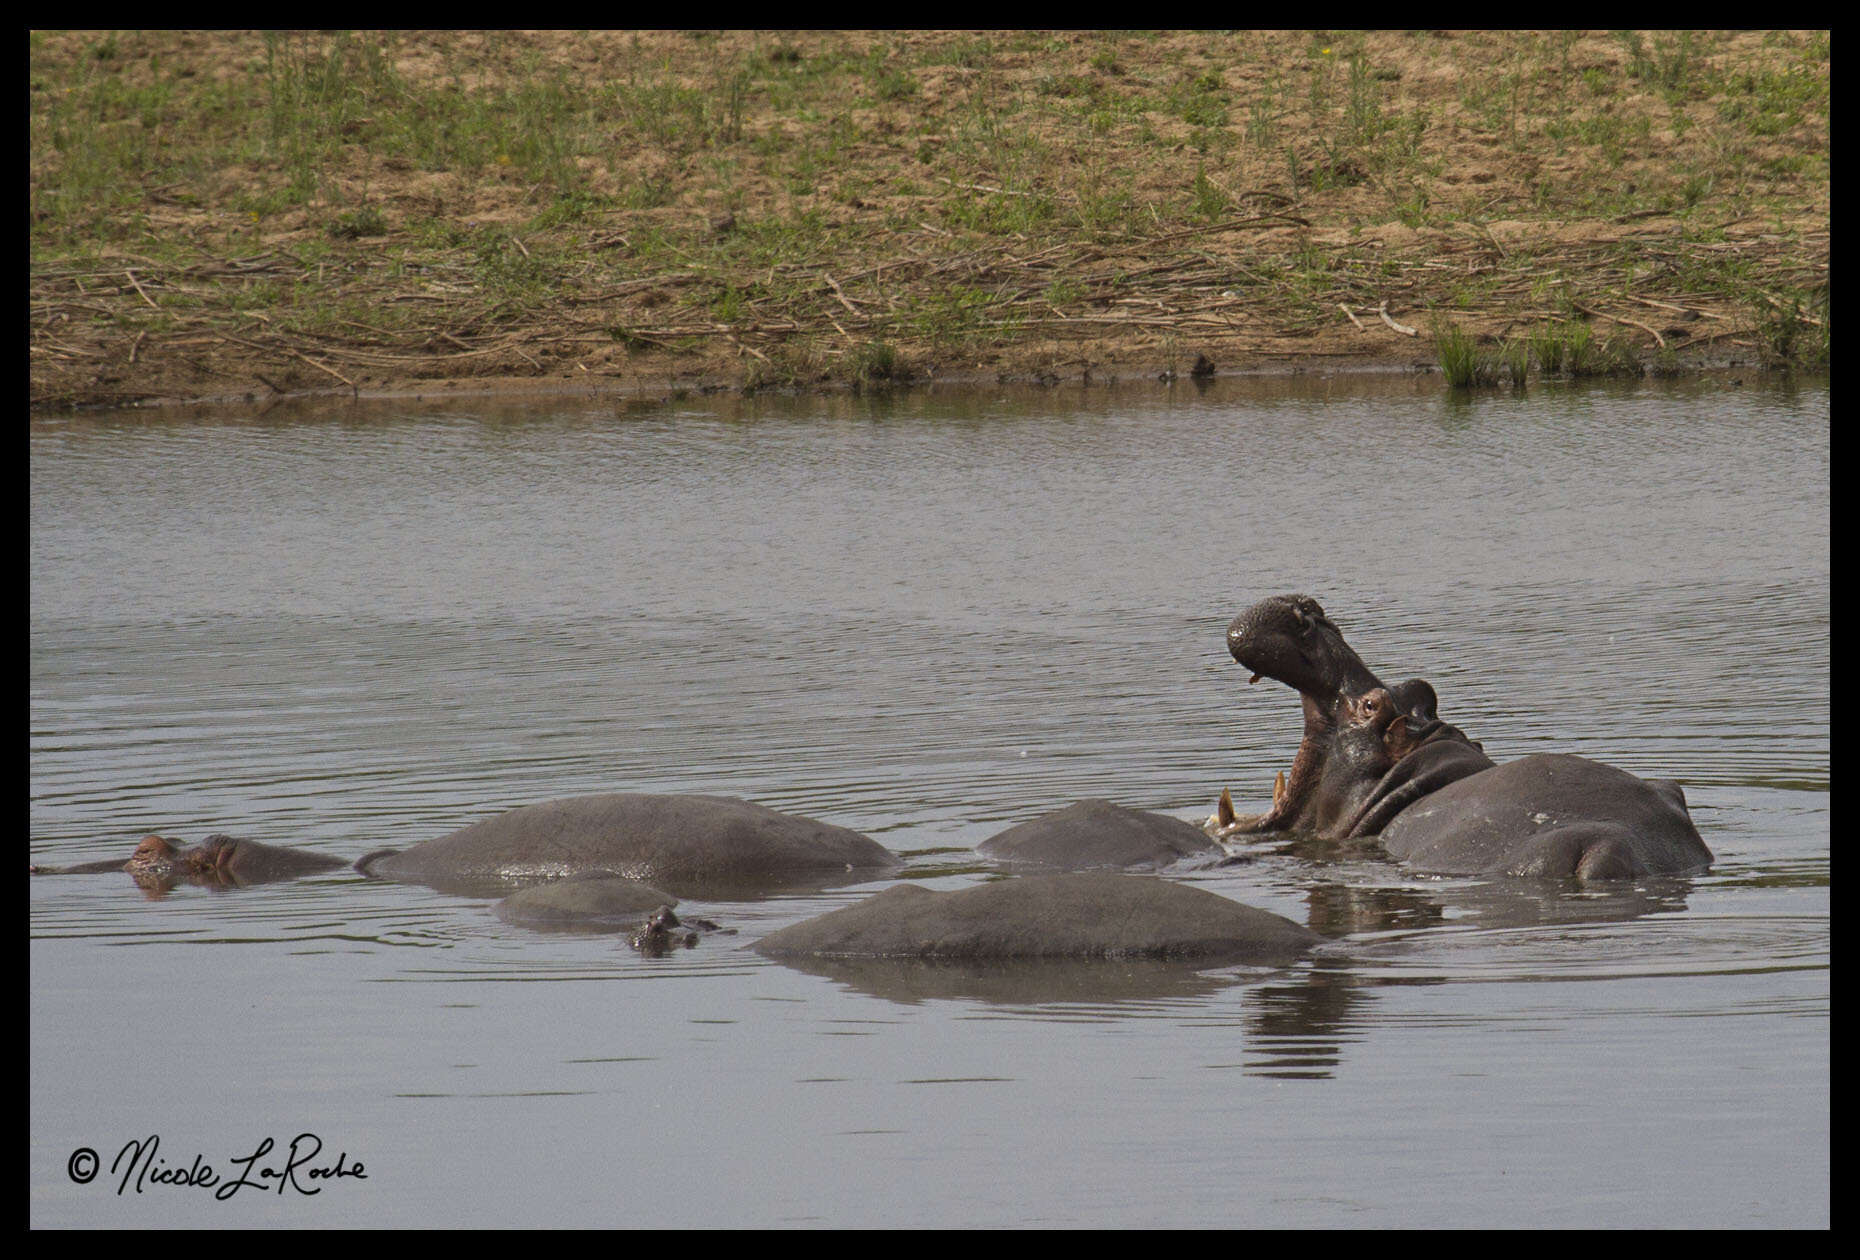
[584, 903]
[1099, 834]
[1378, 761]
[706, 846]
[606, 903]
[219, 861]
[1078, 916]
[686, 845]
[1549, 815]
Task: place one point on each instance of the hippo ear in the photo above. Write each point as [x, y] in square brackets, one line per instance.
[1311, 615]
[1397, 733]
[1417, 696]
[1224, 810]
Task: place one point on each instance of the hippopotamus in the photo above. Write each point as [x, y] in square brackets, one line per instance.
[583, 903]
[689, 845]
[704, 846]
[1079, 916]
[1102, 834]
[218, 861]
[1550, 814]
[665, 931]
[1378, 761]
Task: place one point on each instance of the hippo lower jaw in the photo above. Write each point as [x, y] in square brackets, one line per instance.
[1227, 821]
[1291, 791]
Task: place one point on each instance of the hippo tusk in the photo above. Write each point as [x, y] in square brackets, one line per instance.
[1278, 788]
[1224, 811]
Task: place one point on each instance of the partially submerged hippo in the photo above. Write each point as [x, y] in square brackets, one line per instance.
[1551, 815]
[1377, 761]
[606, 903]
[585, 903]
[1099, 834]
[218, 861]
[1084, 915]
[664, 932]
[689, 845]
[709, 846]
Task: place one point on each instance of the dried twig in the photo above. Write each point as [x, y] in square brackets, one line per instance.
[139, 289]
[1403, 329]
[332, 371]
[835, 286]
[1632, 323]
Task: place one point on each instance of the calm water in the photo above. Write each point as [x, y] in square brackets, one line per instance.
[926, 618]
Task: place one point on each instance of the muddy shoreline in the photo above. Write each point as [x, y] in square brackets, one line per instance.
[681, 381]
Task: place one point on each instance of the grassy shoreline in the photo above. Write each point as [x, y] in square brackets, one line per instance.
[247, 214]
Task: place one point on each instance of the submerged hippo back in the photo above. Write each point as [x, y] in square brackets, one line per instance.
[1084, 915]
[1098, 834]
[689, 845]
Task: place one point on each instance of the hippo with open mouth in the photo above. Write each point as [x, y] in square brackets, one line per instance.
[1378, 761]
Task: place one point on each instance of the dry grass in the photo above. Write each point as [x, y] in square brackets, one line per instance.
[242, 213]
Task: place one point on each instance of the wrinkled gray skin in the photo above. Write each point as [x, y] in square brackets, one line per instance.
[692, 846]
[1377, 760]
[1550, 815]
[1085, 915]
[1370, 737]
[1099, 834]
[584, 903]
[216, 862]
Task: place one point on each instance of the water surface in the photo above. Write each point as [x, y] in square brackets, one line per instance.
[926, 617]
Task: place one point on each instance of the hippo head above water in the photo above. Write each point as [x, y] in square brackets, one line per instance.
[1377, 760]
[1357, 729]
[220, 861]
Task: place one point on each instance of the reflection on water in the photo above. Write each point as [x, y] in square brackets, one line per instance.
[930, 618]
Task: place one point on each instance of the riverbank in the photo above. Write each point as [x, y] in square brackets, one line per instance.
[243, 215]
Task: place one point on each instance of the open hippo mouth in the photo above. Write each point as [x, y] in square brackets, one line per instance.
[1288, 638]
[1378, 761]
